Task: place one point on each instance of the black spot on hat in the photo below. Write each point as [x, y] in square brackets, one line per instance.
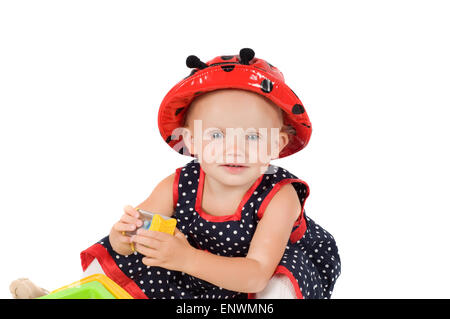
[298, 109]
[266, 86]
[169, 138]
[192, 72]
[227, 68]
[227, 57]
[179, 110]
[308, 126]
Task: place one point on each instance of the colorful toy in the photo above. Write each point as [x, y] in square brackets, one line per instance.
[154, 222]
[96, 286]
[99, 286]
[162, 224]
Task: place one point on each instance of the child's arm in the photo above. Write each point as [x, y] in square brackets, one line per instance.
[160, 201]
[245, 274]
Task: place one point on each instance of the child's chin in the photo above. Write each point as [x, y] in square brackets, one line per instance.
[234, 180]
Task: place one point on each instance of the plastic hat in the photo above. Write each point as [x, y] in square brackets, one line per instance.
[242, 71]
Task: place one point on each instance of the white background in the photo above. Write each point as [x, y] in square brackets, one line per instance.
[81, 83]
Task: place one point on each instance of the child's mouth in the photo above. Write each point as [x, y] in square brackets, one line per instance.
[234, 168]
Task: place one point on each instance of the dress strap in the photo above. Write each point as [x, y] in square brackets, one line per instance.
[186, 180]
[271, 184]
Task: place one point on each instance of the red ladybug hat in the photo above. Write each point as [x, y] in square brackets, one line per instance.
[242, 71]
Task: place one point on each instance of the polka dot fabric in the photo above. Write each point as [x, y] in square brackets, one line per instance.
[311, 260]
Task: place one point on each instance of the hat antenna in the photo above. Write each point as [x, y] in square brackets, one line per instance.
[193, 61]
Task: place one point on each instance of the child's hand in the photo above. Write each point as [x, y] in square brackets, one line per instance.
[128, 222]
[163, 250]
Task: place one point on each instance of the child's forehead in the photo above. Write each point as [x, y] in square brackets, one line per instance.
[235, 106]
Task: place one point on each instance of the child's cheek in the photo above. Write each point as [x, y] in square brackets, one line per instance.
[253, 152]
[212, 151]
[272, 143]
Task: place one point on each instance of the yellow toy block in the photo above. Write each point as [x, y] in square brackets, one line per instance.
[155, 222]
[163, 225]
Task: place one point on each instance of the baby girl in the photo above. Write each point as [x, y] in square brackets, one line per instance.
[241, 227]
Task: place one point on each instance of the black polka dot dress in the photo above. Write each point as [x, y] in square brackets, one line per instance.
[311, 260]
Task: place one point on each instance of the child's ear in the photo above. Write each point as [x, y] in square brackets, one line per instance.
[283, 140]
[188, 140]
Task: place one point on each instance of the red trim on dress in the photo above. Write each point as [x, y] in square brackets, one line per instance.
[298, 233]
[236, 215]
[175, 187]
[111, 269]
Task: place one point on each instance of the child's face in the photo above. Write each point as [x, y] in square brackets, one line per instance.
[234, 126]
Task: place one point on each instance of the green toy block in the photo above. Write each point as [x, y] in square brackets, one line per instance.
[89, 290]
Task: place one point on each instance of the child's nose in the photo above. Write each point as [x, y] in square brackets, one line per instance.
[235, 149]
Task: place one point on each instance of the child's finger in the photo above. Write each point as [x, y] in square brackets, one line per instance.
[120, 227]
[177, 233]
[131, 211]
[125, 239]
[127, 219]
[146, 241]
[161, 236]
[148, 252]
[150, 261]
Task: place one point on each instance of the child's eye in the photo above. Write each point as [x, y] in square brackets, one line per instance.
[253, 137]
[216, 135]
